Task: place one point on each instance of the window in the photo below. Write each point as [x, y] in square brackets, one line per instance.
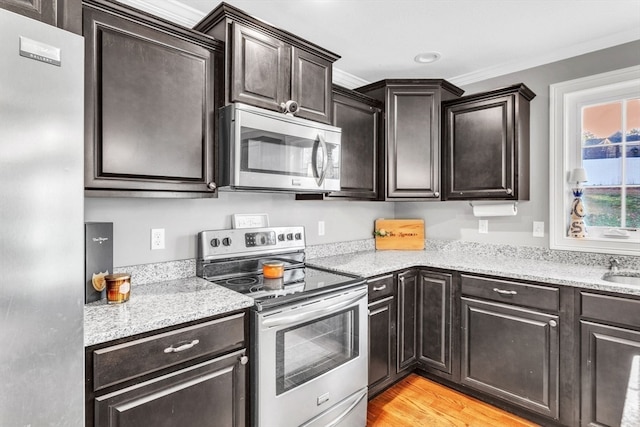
[595, 125]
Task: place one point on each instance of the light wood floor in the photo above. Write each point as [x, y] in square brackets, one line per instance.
[418, 402]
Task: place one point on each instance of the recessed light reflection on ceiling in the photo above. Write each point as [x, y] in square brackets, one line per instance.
[427, 57]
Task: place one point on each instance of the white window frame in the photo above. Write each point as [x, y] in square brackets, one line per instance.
[565, 102]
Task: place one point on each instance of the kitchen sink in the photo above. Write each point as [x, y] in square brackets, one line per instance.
[624, 277]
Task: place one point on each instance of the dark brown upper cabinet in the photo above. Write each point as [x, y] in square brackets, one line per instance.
[65, 14]
[360, 118]
[267, 66]
[486, 145]
[150, 102]
[412, 135]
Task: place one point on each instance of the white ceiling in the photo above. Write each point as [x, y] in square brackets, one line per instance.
[478, 39]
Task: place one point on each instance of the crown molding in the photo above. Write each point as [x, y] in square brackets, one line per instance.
[344, 79]
[171, 10]
[557, 55]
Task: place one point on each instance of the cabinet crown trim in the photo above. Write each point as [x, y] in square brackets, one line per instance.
[155, 22]
[231, 13]
[520, 88]
[455, 90]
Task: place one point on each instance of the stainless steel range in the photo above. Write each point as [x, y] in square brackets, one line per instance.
[309, 327]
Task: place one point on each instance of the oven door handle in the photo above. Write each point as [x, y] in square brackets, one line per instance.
[325, 307]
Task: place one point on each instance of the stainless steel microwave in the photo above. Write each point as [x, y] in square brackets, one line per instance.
[269, 151]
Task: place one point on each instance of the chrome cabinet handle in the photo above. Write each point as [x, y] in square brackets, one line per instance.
[379, 288]
[504, 291]
[553, 323]
[509, 191]
[436, 194]
[183, 347]
[212, 185]
[243, 360]
[401, 279]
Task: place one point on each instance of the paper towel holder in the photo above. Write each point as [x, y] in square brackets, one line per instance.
[515, 207]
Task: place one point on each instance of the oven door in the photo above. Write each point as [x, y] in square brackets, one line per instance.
[311, 360]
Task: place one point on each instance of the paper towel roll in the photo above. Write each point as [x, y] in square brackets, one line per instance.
[502, 209]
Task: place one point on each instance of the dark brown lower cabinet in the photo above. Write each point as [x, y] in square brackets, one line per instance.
[407, 338]
[512, 353]
[610, 360]
[194, 375]
[437, 324]
[210, 394]
[382, 333]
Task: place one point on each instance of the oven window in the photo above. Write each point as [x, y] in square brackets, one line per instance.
[307, 351]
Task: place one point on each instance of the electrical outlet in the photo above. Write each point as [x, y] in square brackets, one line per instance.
[320, 228]
[538, 228]
[483, 226]
[157, 238]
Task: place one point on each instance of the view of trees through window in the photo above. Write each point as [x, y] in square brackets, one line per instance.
[611, 157]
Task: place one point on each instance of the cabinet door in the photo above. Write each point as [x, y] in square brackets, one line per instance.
[360, 124]
[381, 339]
[480, 149]
[610, 367]
[486, 145]
[511, 353]
[413, 143]
[311, 85]
[407, 339]
[436, 321]
[149, 108]
[260, 69]
[206, 395]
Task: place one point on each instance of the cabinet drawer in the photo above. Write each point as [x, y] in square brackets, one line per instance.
[535, 296]
[122, 362]
[380, 287]
[621, 310]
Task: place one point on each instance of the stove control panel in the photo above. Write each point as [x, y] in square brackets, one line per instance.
[213, 244]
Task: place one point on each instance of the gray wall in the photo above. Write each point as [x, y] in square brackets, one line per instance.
[182, 219]
[455, 220]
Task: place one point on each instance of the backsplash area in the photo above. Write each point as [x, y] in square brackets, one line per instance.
[180, 269]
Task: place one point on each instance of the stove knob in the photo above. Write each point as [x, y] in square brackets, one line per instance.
[263, 240]
[289, 236]
[226, 241]
[215, 243]
[281, 237]
[298, 236]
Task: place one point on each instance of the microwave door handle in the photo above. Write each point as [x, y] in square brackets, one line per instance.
[325, 160]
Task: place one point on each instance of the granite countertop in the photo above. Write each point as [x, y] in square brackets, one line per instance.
[157, 305]
[374, 263]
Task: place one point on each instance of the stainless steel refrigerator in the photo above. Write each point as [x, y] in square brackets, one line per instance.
[41, 224]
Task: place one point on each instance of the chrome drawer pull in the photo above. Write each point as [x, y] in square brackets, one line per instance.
[183, 347]
[379, 288]
[243, 360]
[504, 291]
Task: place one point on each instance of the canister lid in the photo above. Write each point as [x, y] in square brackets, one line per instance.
[273, 264]
[117, 276]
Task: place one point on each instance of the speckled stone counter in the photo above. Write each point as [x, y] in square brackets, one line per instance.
[374, 263]
[157, 305]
